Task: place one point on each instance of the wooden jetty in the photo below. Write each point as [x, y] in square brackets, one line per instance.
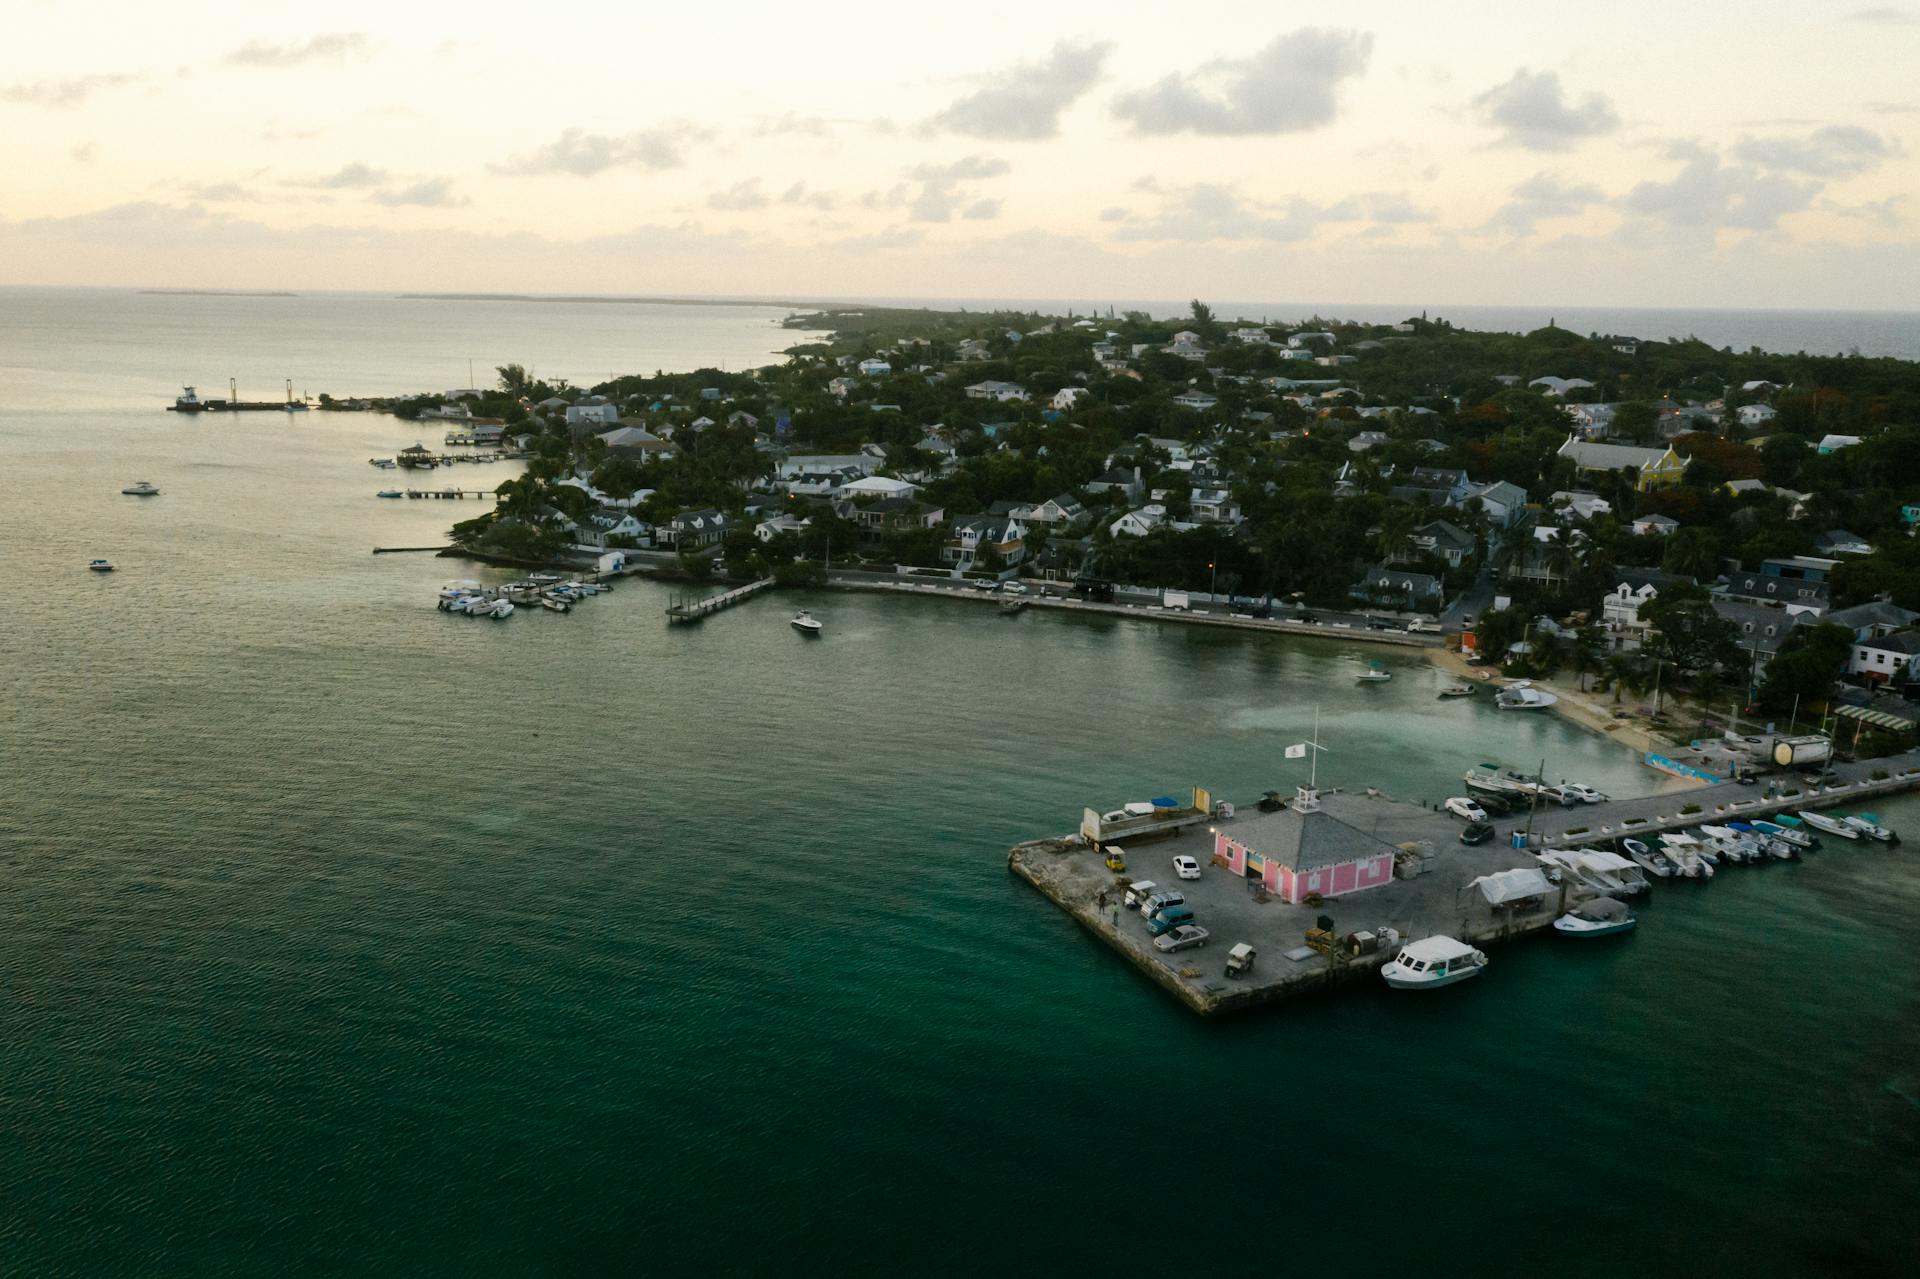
[482, 494]
[692, 610]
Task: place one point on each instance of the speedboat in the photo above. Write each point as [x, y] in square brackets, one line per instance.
[1457, 690]
[553, 604]
[390, 493]
[1608, 874]
[1731, 844]
[100, 566]
[1523, 696]
[1488, 780]
[1432, 961]
[806, 623]
[1374, 674]
[497, 608]
[1869, 825]
[1778, 849]
[1651, 860]
[1684, 851]
[384, 463]
[1787, 831]
[1829, 826]
[140, 488]
[1597, 918]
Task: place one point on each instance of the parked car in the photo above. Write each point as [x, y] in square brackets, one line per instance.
[1309, 618]
[1181, 938]
[1013, 588]
[1138, 891]
[1584, 794]
[1497, 805]
[1825, 777]
[1476, 832]
[1169, 919]
[1186, 868]
[1465, 809]
[1153, 905]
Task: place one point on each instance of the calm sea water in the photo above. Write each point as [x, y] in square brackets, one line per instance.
[338, 934]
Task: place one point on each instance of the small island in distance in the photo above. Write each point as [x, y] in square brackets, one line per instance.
[222, 293]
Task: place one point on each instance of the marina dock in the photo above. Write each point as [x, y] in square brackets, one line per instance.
[694, 610]
[1432, 890]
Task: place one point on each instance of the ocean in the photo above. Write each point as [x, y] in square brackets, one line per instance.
[342, 935]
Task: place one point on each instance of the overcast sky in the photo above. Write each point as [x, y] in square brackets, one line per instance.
[1750, 154]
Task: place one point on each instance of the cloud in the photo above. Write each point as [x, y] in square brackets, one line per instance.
[1893, 108]
[739, 197]
[1885, 214]
[1210, 211]
[428, 193]
[1709, 195]
[347, 178]
[63, 93]
[1289, 86]
[880, 241]
[1883, 17]
[1540, 197]
[982, 211]
[1024, 102]
[334, 47]
[1837, 151]
[798, 193]
[1531, 110]
[941, 194]
[1115, 213]
[85, 152]
[217, 192]
[584, 154]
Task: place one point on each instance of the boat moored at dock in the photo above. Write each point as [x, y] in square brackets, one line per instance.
[1523, 696]
[1869, 825]
[1601, 917]
[1828, 825]
[1433, 961]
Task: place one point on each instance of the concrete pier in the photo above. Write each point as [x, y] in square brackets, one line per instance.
[694, 610]
[1440, 899]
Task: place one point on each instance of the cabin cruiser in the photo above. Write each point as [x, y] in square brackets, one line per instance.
[1597, 918]
[1685, 852]
[1608, 874]
[806, 623]
[1869, 825]
[100, 566]
[1786, 830]
[140, 488]
[1523, 696]
[1374, 674]
[1433, 961]
[1829, 826]
[1651, 860]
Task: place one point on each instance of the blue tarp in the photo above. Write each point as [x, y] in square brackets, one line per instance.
[1165, 802]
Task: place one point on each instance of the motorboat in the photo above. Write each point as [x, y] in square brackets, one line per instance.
[1523, 696]
[1374, 674]
[384, 463]
[100, 566]
[1608, 874]
[806, 623]
[1457, 690]
[1787, 830]
[1489, 780]
[1650, 860]
[1009, 607]
[543, 577]
[1869, 825]
[454, 595]
[554, 605]
[140, 488]
[495, 608]
[1829, 825]
[1778, 849]
[1684, 851]
[1600, 917]
[1433, 961]
[390, 493]
[1731, 844]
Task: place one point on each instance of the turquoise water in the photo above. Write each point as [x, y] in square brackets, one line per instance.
[342, 935]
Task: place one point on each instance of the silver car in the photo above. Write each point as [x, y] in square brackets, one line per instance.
[1181, 937]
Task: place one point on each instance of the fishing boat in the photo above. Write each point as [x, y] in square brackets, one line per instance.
[390, 493]
[1433, 961]
[1601, 917]
[1732, 846]
[1829, 826]
[1457, 690]
[1778, 849]
[1684, 850]
[100, 566]
[1523, 696]
[1374, 674]
[1602, 872]
[140, 488]
[806, 623]
[1489, 780]
[1787, 830]
[1869, 825]
[553, 604]
[1651, 860]
[384, 463]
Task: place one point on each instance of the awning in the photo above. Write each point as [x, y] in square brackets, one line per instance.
[1506, 886]
[1879, 719]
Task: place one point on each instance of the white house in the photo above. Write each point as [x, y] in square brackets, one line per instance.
[1582, 505]
[1213, 506]
[592, 411]
[879, 486]
[1001, 392]
[1061, 509]
[1752, 415]
[1834, 443]
[1067, 396]
[767, 530]
[1139, 523]
[874, 367]
[1887, 660]
[841, 386]
[1252, 337]
[1620, 609]
[1654, 525]
[1195, 399]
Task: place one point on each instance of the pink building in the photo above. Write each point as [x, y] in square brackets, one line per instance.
[1301, 850]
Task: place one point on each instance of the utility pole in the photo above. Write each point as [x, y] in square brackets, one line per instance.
[1539, 780]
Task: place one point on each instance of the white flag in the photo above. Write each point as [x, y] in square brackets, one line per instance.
[1297, 751]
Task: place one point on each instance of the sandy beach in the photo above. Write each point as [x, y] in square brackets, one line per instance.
[1590, 710]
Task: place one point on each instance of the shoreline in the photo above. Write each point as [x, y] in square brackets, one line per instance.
[1588, 710]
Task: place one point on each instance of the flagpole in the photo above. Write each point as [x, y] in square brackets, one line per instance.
[1313, 765]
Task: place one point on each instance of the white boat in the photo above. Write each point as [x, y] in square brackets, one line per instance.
[140, 488]
[1432, 961]
[390, 493]
[1780, 830]
[100, 566]
[1523, 696]
[1731, 844]
[1869, 825]
[553, 604]
[1488, 779]
[1651, 860]
[1778, 849]
[806, 623]
[384, 463]
[1827, 825]
[1608, 874]
[1374, 674]
[493, 608]
[1600, 917]
[1457, 690]
[1684, 851]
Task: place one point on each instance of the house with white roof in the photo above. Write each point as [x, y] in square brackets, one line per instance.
[1656, 468]
[1559, 386]
[1654, 525]
[1139, 523]
[872, 367]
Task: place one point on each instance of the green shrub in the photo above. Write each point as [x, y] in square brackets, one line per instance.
[1688, 810]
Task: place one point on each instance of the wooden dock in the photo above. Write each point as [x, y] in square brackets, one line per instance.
[687, 610]
[452, 494]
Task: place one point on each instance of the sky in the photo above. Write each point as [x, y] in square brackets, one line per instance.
[1757, 154]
